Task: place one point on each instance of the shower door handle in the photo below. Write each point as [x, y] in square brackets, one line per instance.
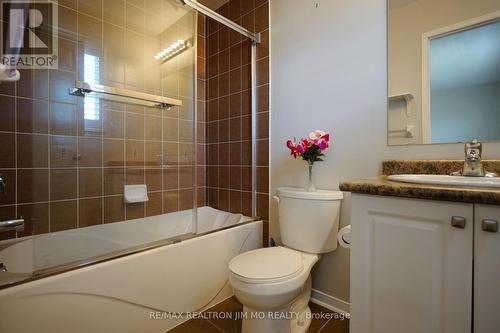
[17, 225]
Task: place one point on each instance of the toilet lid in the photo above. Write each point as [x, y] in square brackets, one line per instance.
[301, 193]
[267, 263]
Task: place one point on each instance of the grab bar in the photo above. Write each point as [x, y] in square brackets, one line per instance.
[84, 89]
[17, 225]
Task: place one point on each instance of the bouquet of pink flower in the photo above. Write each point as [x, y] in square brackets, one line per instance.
[311, 148]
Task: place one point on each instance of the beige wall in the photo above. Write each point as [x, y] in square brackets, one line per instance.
[406, 25]
[329, 72]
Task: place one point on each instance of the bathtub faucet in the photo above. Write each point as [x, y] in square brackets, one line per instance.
[3, 268]
[17, 225]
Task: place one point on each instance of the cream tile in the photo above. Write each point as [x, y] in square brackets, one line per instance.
[134, 18]
[114, 12]
[91, 7]
[114, 55]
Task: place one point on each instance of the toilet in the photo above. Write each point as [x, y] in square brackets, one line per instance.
[274, 284]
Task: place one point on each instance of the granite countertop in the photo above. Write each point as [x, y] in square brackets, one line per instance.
[382, 186]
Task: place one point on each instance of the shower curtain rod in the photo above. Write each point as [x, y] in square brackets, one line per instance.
[255, 37]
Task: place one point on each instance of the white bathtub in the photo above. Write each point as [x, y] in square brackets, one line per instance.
[118, 295]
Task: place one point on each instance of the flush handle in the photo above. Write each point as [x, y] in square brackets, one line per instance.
[458, 222]
[489, 225]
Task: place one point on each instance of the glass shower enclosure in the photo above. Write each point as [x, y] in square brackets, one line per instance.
[107, 153]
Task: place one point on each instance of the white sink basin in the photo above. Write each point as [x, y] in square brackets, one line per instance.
[448, 180]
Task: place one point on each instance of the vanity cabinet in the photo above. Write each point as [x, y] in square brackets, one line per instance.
[486, 269]
[412, 267]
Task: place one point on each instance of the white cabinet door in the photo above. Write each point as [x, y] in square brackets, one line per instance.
[411, 270]
[486, 269]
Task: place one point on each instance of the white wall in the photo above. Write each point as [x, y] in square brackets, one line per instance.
[328, 71]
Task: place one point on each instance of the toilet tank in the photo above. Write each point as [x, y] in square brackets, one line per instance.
[309, 221]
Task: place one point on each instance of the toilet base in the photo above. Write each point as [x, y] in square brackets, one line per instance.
[259, 321]
[275, 321]
[300, 306]
[294, 318]
[301, 325]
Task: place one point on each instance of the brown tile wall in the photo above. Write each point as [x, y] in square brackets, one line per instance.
[69, 171]
[201, 120]
[66, 160]
[228, 103]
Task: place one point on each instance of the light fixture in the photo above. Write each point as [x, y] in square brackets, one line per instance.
[173, 50]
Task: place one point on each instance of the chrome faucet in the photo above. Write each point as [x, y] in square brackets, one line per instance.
[473, 165]
[17, 225]
[3, 187]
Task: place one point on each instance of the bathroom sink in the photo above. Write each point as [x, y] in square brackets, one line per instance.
[448, 180]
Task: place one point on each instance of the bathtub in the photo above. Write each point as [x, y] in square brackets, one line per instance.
[104, 279]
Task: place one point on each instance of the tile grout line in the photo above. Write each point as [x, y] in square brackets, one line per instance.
[16, 210]
[124, 146]
[101, 112]
[144, 136]
[240, 120]
[49, 138]
[324, 325]
[77, 139]
[220, 329]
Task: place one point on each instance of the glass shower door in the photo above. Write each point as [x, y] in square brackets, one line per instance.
[67, 159]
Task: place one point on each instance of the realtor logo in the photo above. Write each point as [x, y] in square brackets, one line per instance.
[29, 34]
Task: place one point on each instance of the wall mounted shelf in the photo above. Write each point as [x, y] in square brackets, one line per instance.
[406, 97]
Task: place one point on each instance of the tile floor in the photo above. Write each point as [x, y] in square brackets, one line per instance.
[231, 325]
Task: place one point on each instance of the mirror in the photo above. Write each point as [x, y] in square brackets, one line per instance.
[443, 71]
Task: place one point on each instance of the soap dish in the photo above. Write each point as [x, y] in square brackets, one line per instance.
[135, 193]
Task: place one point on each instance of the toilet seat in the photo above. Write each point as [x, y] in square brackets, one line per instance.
[267, 265]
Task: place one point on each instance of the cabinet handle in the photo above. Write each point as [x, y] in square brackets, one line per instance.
[458, 222]
[489, 225]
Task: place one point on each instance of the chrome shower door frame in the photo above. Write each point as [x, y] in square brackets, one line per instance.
[256, 39]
